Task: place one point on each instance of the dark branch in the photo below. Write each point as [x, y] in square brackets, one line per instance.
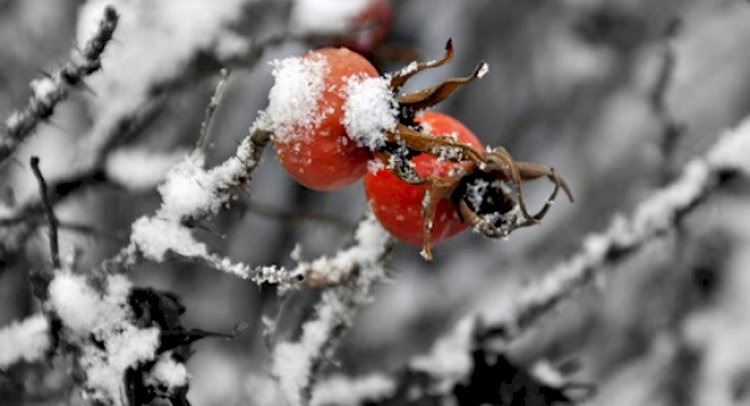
[53, 241]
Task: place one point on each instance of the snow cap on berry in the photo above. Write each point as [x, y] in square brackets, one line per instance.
[370, 110]
[293, 99]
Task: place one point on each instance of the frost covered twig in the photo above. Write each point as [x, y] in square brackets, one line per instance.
[49, 91]
[372, 246]
[190, 193]
[652, 218]
[296, 363]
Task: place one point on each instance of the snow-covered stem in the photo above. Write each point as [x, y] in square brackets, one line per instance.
[653, 217]
[191, 193]
[371, 246]
[26, 340]
[99, 323]
[295, 364]
[51, 90]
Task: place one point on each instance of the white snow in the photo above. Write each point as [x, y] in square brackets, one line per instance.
[370, 242]
[342, 390]
[370, 110]
[140, 168]
[167, 373]
[483, 70]
[85, 312]
[24, 340]
[189, 189]
[325, 17]
[156, 237]
[43, 88]
[292, 361]
[450, 357]
[294, 99]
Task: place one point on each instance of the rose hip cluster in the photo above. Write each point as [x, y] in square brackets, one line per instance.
[427, 177]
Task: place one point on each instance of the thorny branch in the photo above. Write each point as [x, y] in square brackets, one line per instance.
[49, 91]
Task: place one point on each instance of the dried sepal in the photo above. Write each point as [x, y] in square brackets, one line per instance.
[494, 219]
[427, 98]
[419, 142]
[399, 78]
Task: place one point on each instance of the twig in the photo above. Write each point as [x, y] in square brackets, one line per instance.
[211, 109]
[26, 218]
[626, 236]
[296, 364]
[167, 232]
[672, 130]
[53, 241]
[49, 91]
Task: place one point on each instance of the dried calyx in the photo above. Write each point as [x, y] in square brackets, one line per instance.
[485, 186]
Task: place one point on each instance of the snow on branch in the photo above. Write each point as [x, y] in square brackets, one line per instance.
[296, 363]
[371, 247]
[142, 68]
[453, 360]
[190, 193]
[101, 326]
[48, 91]
[26, 340]
[653, 217]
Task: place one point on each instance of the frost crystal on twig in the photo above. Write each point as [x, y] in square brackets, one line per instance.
[295, 363]
[190, 192]
[49, 91]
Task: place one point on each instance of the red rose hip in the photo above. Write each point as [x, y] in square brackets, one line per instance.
[398, 205]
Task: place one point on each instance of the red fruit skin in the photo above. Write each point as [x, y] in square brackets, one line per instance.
[398, 205]
[375, 23]
[326, 159]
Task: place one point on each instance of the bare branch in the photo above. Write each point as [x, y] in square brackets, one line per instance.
[53, 241]
[49, 91]
[211, 109]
